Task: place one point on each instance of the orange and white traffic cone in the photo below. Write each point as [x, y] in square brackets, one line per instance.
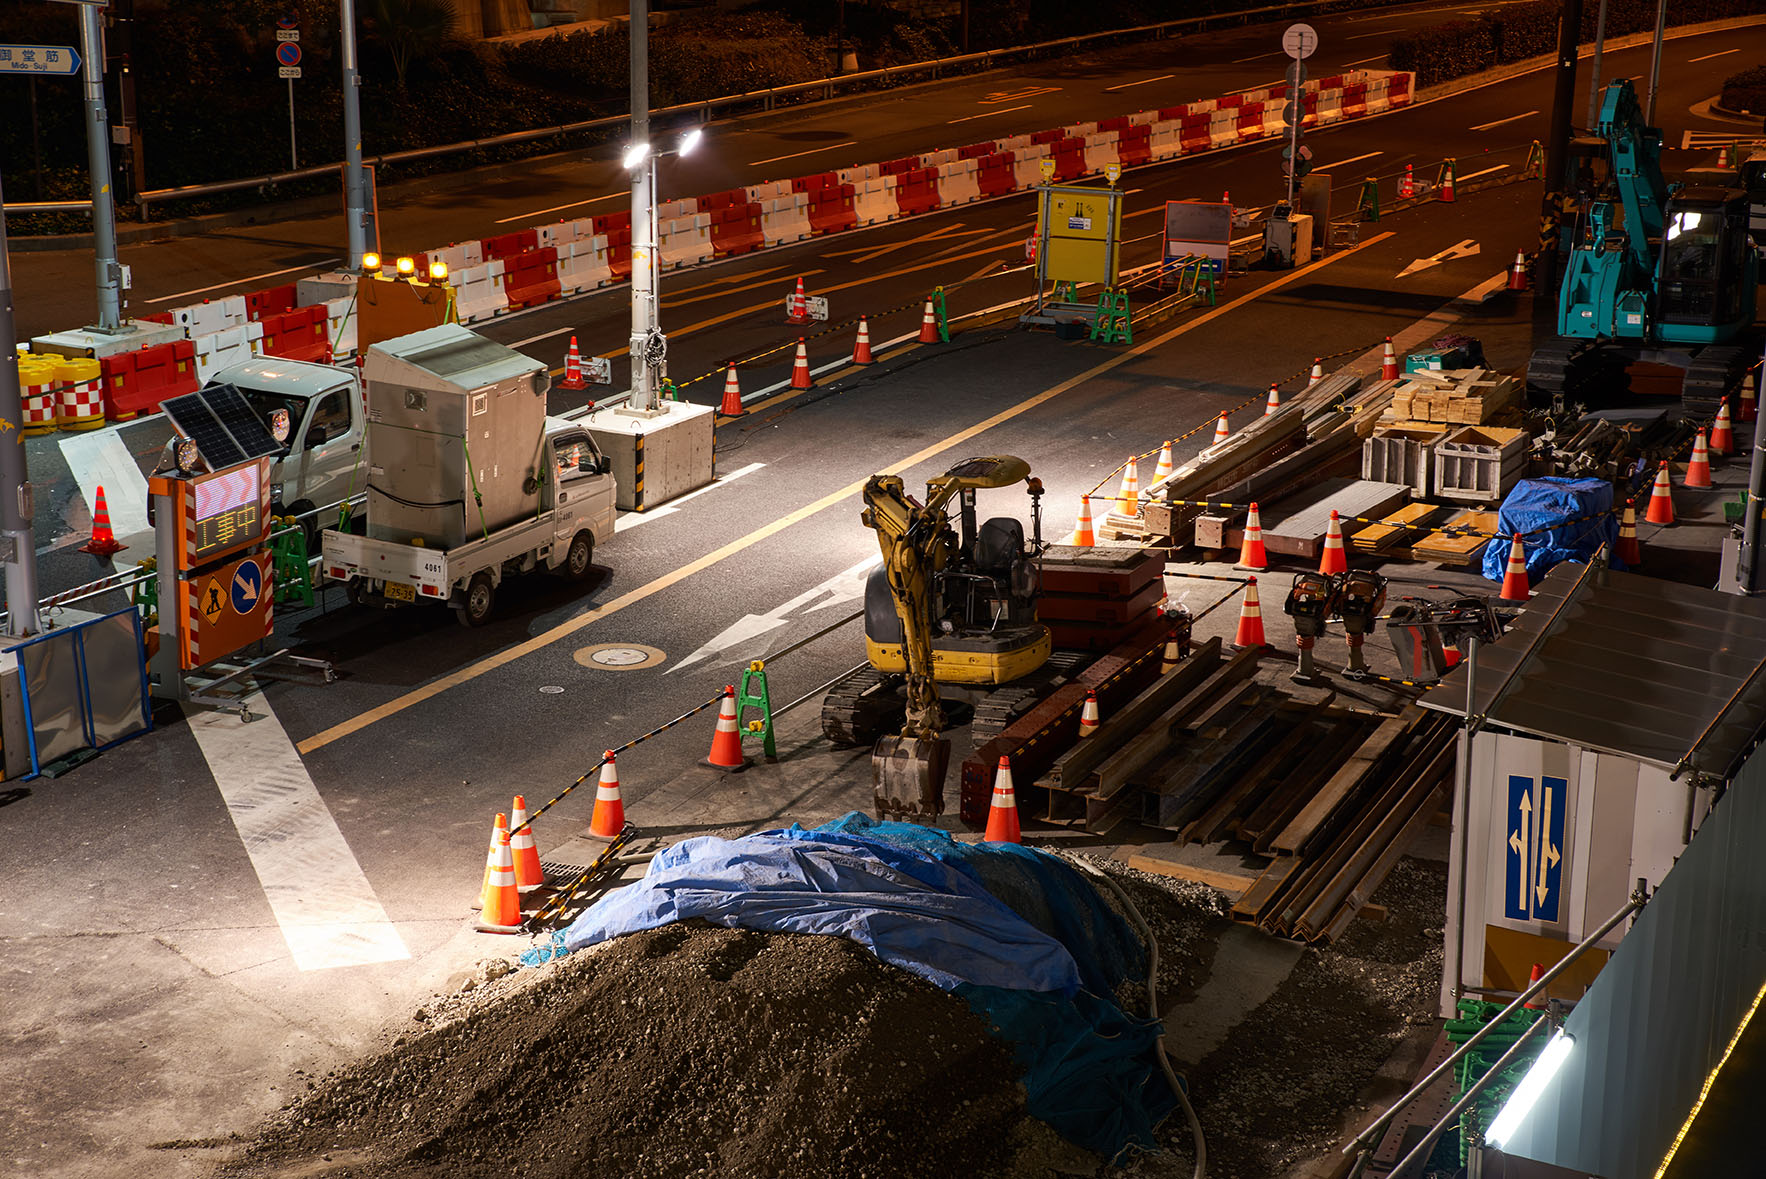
[861, 348]
[1002, 816]
[1172, 655]
[797, 307]
[1517, 274]
[1698, 470]
[929, 326]
[1222, 430]
[1083, 536]
[1722, 436]
[1389, 363]
[1088, 716]
[1251, 551]
[1515, 586]
[499, 832]
[1537, 1002]
[609, 817]
[726, 741]
[1274, 401]
[528, 873]
[1250, 618]
[1445, 193]
[1749, 399]
[1164, 466]
[104, 542]
[502, 900]
[800, 376]
[1406, 184]
[1660, 509]
[1128, 496]
[732, 405]
[1226, 196]
[1334, 559]
[573, 369]
[1317, 373]
[1627, 549]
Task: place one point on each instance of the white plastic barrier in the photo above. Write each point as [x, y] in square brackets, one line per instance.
[685, 240]
[958, 183]
[211, 315]
[1079, 130]
[1017, 143]
[938, 159]
[478, 291]
[1377, 98]
[785, 218]
[584, 267]
[1167, 140]
[1026, 166]
[875, 201]
[340, 326]
[1272, 117]
[217, 350]
[1141, 117]
[761, 193]
[857, 176]
[1100, 150]
[1223, 127]
[1202, 106]
[675, 210]
[459, 256]
[1330, 106]
[564, 232]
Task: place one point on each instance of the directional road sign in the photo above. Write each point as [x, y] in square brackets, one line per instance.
[39, 59]
[247, 586]
[1299, 40]
[1533, 869]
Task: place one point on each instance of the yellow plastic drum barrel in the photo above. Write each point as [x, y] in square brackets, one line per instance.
[36, 378]
[80, 395]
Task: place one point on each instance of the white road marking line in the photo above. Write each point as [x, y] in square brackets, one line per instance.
[1504, 122]
[541, 336]
[1475, 175]
[995, 97]
[241, 281]
[555, 208]
[1351, 160]
[1365, 60]
[1709, 56]
[988, 114]
[100, 459]
[1379, 33]
[794, 155]
[328, 911]
[633, 519]
[1142, 82]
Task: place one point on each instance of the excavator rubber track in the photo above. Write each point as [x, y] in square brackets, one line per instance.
[1712, 374]
[1552, 373]
[1011, 701]
[862, 706]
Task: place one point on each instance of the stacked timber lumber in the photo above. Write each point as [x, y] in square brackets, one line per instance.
[1458, 541]
[1460, 396]
[1397, 529]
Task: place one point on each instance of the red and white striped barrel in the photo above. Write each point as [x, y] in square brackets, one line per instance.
[37, 382]
[79, 403]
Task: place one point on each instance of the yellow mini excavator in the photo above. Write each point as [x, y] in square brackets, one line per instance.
[944, 608]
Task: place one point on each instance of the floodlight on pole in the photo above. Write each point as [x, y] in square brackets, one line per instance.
[1526, 1094]
[689, 141]
[635, 155]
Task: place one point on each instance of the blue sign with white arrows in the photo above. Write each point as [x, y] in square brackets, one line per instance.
[247, 587]
[1533, 869]
[57, 60]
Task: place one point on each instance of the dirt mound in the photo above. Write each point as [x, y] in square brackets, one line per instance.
[687, 1050]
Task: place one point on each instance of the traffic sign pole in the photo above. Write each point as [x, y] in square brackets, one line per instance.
[293, 155]
[288, 65]
[104, 225]
[18, 539]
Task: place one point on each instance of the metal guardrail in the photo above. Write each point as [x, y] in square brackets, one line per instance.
[766, 99]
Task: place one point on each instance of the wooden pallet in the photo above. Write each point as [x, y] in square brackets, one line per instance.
[1460, 541]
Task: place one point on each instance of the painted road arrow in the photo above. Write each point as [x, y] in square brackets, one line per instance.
[1464, 249]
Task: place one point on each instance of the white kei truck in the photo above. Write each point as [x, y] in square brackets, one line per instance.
[468, 479]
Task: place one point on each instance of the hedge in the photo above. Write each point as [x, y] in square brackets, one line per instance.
[1746, 91]
[1530, 30]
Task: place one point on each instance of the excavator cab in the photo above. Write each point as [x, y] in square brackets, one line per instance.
[1705, 291]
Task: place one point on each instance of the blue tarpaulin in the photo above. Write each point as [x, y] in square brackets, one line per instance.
[1020, 935]
[1576, 515]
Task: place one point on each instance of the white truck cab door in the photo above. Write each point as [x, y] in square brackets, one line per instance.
[324, 452]
[583, 496]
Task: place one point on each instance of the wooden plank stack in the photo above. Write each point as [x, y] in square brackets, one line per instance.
[1461, 396]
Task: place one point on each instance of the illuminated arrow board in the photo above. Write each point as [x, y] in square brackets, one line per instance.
[57, 60]
[1533, 868]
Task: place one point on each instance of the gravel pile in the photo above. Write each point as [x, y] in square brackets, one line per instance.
[688, 1050]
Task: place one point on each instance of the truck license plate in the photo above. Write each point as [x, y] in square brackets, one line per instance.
[398, 591]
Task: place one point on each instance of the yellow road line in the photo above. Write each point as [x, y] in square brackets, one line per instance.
[650, 589]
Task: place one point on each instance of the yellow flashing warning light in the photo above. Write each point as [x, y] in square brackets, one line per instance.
[370, 261]
[438, 272]
[407, 267]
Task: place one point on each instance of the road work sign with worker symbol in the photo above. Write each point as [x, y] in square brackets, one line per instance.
[224, 609]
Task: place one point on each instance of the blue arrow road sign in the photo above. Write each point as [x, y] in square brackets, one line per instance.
[1533, 866]
[247, 587]
[39, 59]
[288, 53]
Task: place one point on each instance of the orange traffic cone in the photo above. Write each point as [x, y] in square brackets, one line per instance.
[1517, 275]
[1389, 363]
[1722, 436]
[1274, 401]
[1628, 550]
[732, 406]
[1222, 430]
[1164, 466]
[1333, 559]
[1128, 497]
[573, 369]
[1002, 816]
[1083, 536]
[1446, 191]
[1749, 406]
[861, 349]
[726, 742]
[1406, 184]
[929, 326]
[528, 873]
[1251, 552]
[502, 901]
[1250, 618]
[1226, 196]
[800, 376]
[609, 817]
[104, 542]
[1515, 586]
[1171, 656]
[1660, 509]
[1537, 1002]
[1088, 716]
[1698, 470]
[1317, 373]
[499, 832]
[796, 307]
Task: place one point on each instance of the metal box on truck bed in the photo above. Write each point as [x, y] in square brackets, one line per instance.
[455, 423]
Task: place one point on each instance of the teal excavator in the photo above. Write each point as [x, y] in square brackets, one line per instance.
[1660, 274]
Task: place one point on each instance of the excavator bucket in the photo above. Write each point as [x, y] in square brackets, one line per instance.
[908, 776]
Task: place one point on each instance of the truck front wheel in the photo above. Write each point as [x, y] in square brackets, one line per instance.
[481, 596]
[579, 557]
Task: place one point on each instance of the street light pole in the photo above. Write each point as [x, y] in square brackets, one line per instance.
[354, 195]
[18, 540]
[643, 396]
[104, 227]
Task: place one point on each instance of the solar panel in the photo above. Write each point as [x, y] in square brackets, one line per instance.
[223, 425]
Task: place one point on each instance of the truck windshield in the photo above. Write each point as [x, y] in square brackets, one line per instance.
[263, 402]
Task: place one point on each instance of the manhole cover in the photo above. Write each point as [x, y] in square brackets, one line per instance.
[551, 690]
[619, 656]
